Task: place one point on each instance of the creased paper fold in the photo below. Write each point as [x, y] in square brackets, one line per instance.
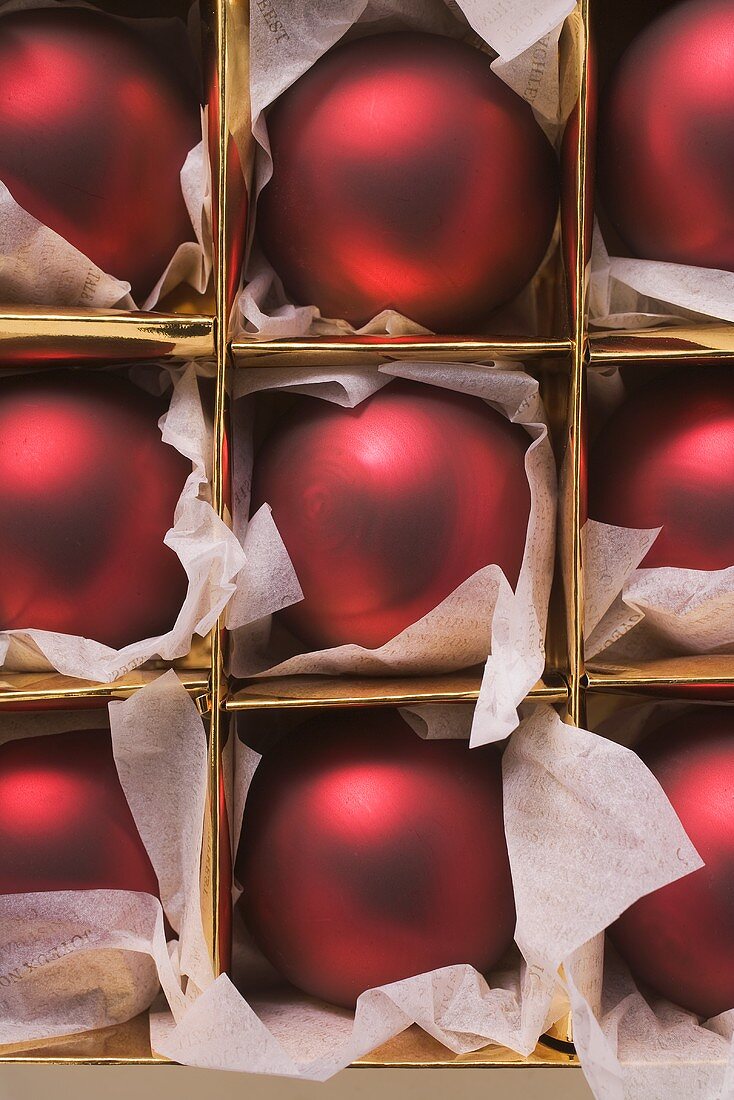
[631, 293]
[673, 611]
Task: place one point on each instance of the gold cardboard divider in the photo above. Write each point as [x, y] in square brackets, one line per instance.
[676, 343]
[128, 1044]
[41, 690]
[696, 677]
[289, 692]
[45, 689]
[34, 337]
[373, 350]
[123, 1044]
[415, 1049]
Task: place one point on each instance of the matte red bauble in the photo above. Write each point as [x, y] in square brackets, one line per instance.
[370, 855]
[386, 508]
[64, 821]
[666, 458]
[667, 138]
[680, 939]
[406, 176]
[88, 491]
[95, 125]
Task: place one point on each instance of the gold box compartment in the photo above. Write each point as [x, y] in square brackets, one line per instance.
[612, 29]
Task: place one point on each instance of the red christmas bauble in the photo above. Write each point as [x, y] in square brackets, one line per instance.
[88, 491]
[386, 508]
[64, 821]
[370, 855]
[680, 939]
[95, 125]
[667, 138]
[406, 176]
[666, 458]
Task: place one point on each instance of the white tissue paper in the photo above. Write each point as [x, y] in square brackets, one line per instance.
[72, 961]
[633, 294]
[209, 552]
[634, 1049]
[588, 831]
[673, 611]
[40, 267]
[525, 37]
[481, 617]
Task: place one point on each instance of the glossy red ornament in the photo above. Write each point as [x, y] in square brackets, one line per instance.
[95, 126]
[369, 855]
[386, 508]
[406, 176]
[666, 458]
[667, 138]
[88, 491]
[64, 820]
[680, 939]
